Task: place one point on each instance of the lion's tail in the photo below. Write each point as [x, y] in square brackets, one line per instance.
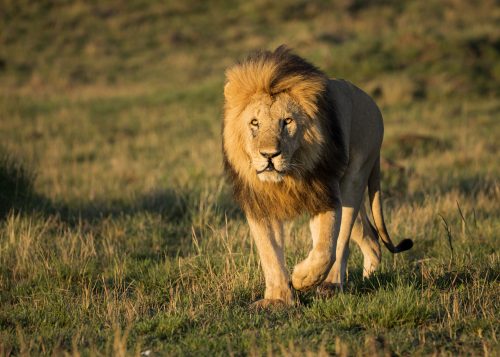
[378, 215]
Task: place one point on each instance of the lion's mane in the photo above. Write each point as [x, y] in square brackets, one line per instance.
[271, 73]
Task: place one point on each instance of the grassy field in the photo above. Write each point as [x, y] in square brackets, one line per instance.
[118, 234]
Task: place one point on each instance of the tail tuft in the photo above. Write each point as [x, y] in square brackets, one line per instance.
[405, 244]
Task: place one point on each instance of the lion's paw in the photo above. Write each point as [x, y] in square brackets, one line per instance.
[265, 304]
[306, 275]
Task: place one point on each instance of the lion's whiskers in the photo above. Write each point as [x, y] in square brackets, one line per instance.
[297, 168]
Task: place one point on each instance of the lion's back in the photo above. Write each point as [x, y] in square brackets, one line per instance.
[360, 116]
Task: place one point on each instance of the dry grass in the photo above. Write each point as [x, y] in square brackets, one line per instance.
[118, 235]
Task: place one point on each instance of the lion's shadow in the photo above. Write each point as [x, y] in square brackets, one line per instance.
[412, 276]
[171, 206]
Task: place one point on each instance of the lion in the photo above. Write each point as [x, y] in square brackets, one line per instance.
[295, 142]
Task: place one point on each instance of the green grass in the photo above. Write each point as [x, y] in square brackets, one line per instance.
[118, 234]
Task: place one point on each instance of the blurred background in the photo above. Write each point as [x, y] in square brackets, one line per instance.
[113, 201]
[114, 97]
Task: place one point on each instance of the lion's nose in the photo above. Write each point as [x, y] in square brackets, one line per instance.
[270, 154]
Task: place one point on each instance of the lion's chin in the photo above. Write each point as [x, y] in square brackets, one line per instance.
[270, 176]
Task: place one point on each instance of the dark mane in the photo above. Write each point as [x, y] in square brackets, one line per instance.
[315, 191]
[288, 65]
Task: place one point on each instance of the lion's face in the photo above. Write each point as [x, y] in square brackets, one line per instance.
[274, 133]
[274, 126]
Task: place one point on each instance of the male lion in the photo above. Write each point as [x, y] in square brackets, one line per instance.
[297, 142]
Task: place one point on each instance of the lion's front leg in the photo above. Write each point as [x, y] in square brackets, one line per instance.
[269, 239]
[314, 269]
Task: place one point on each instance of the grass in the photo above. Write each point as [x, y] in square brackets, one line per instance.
[118, 234]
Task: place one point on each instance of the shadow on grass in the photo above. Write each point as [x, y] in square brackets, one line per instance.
[175, 205]
[445, 280]
[177, 209]
[16, 184]
[382, 280]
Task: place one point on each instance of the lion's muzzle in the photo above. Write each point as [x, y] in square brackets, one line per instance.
[270, 172]
[270, 154]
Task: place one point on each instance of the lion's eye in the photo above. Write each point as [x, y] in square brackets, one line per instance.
[288, 121]
[254, 122]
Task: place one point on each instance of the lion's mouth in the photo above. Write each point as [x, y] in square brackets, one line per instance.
[270, 167]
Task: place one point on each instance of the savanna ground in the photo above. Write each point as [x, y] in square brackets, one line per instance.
[118, 234]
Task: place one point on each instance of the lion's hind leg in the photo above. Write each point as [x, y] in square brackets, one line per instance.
[352, 192]
[364, 235]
